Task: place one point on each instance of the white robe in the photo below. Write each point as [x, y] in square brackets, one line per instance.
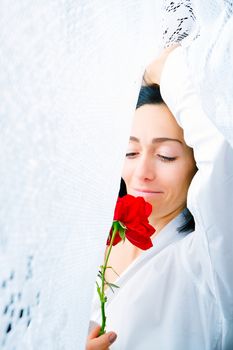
[178, 294]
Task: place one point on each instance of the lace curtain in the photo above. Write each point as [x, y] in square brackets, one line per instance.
[210, 61]
[69, 77]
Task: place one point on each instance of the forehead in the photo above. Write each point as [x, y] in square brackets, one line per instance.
[155, 121]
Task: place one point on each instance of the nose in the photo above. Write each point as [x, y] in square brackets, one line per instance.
[145, 169]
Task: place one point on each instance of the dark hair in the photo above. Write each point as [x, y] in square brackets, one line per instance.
[150, 94]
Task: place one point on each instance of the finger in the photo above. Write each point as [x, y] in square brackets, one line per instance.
[94, 333]
[101, 343]
[154, 70]
[106, 339]
[171, 47]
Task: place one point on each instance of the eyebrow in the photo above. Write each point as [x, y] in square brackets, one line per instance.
[155, 140]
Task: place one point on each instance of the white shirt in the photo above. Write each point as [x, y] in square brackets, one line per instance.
[178, 294]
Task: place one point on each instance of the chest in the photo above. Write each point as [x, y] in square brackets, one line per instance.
[121, 257]
[161, 298]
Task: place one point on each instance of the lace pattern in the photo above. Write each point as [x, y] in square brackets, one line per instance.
[178, 21]
[46, 268]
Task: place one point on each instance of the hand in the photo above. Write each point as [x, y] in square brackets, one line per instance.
[100, 343]
[154, 70]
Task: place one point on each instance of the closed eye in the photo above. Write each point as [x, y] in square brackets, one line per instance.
[166, 159]
[131, 154]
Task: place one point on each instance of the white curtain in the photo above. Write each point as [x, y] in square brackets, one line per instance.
[69, 77]
[210, 61]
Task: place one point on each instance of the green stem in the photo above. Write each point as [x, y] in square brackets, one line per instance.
[103, 299]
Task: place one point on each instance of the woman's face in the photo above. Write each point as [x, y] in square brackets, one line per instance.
[159, 166]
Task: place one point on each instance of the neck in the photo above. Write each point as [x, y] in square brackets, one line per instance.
[159, 222]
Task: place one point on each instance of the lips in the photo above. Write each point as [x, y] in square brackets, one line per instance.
[145, 192]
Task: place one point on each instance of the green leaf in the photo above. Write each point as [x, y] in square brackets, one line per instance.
[110, 267]
[98, 290]
[122, 233]
[100, 274]
[122, 225]
[111, 286]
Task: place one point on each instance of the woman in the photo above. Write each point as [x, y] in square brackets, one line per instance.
[159, 166]
[178, 294]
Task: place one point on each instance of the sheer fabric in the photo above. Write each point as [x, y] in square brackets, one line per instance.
[69, 78]
[210, 58]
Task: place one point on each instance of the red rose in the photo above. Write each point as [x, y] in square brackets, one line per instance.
[131, 222]
[131, 217]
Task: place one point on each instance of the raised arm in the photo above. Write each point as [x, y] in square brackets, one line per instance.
[210, 196]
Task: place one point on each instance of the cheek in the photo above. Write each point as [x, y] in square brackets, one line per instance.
[176, 179]
[181, 180]
[127, 172]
